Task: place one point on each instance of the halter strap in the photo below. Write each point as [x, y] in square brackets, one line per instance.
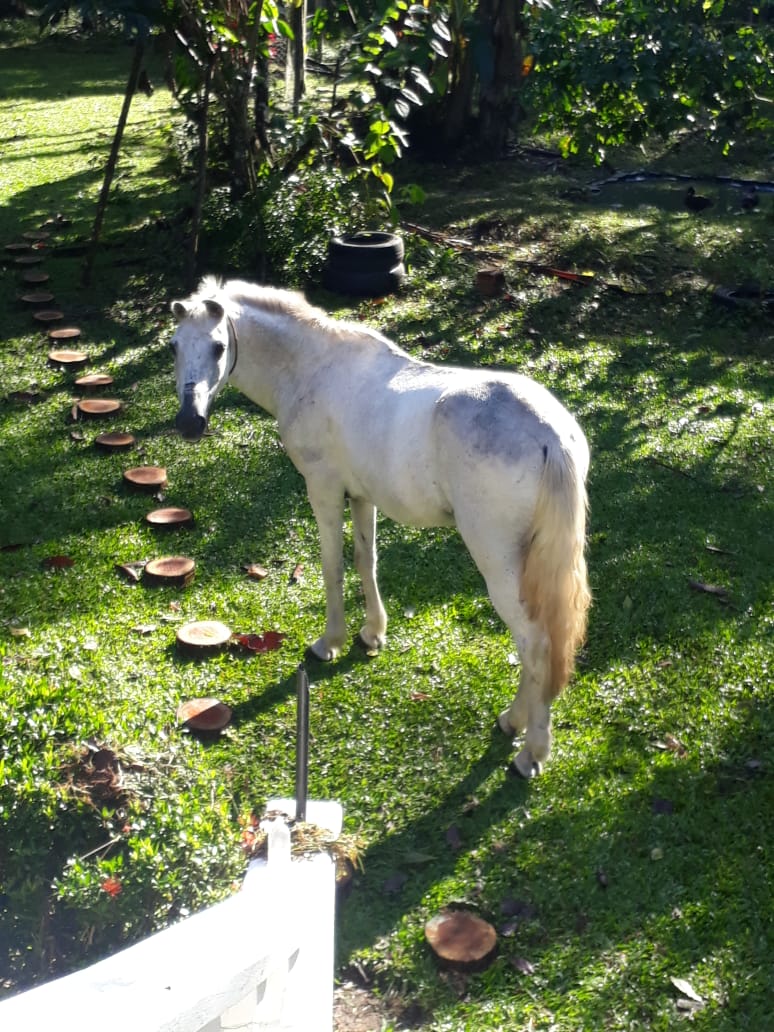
[233, 341]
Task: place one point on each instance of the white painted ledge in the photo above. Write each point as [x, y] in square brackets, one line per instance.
[261, 960]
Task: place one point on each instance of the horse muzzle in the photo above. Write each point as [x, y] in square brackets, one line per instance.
[189, 423]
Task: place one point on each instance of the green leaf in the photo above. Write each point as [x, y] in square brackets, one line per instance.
[440, 28]
[412, 95]
[402, 107]
[386, 179]
[379, 127]
[421, 80]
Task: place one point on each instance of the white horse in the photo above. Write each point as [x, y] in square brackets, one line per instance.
[490, 452]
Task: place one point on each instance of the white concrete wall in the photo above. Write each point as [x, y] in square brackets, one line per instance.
[259, 961]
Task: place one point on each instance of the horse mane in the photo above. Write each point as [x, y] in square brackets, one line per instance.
[289, 303]
[270, 299]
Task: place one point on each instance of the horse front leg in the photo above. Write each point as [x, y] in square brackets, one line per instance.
[329, 512]
[374, 631]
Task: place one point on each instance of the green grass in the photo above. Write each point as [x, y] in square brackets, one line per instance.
[644, 851]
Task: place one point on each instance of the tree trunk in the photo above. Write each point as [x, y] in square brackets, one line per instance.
[499, 91]
[298, 25]
[241, 140]
[110, 168]
[459, 108]
[201, 175]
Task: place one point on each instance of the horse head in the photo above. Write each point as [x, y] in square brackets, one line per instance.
[204, 345]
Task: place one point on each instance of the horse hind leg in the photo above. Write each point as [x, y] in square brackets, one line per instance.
[529, 711]
[373, 632]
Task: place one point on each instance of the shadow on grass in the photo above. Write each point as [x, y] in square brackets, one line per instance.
[676, 861]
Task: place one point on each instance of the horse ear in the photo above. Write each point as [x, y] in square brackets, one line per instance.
[214, 308]
[179, 310]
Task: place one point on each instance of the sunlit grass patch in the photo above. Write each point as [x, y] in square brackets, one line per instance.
[641, 853]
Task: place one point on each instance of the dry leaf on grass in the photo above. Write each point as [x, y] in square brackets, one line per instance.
[266, 642]
[720, 593]
[686, 989]
[255, 571]
[58, 562]
[522, 965]
[133, 570]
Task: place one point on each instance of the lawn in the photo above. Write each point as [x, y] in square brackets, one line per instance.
[643, 853]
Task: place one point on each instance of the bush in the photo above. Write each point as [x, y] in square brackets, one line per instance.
[281, 233]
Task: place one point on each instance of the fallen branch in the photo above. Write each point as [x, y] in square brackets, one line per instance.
[672, 469]
[584, 279]
[720, 593]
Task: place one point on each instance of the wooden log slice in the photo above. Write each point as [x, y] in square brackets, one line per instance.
[203, 634]
[29, 259]
[64, 333]
[18, 248]
[36, 235]
[37, 297]
[170, 518]
[91, 380]
[35, 276]
[98, 408]
[114, 441]
[48, 315]
[204, 714]
[172, 571]
[150, 478]
[461, 940]
[66, 357]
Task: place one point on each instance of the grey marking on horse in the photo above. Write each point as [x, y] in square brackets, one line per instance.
[489, 419]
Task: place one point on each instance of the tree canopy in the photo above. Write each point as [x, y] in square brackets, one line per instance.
[459, 77]
[617, 71]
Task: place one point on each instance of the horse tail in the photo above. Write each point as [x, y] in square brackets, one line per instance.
[554, 581]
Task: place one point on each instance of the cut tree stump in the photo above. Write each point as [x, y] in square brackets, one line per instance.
[172, 570]
[204, 714]
[148, 478]
[490, 282]
[203, 634]
[461, 940]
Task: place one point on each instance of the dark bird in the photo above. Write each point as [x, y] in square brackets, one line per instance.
[750, 198]
[696, 202]
[144, 84]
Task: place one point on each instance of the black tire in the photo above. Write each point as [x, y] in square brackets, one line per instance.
[366, 252]
[361, 282]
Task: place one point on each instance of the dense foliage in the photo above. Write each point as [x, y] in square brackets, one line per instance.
[442, 78]
[613, 73]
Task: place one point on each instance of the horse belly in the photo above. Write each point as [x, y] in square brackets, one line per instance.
[393, 463]
[413, 498]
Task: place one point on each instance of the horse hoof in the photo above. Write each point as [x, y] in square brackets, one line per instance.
[370, 650]
[525, 766]
[320, 652]
[503, 724]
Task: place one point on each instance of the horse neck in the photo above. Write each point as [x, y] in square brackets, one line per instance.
[276, 354]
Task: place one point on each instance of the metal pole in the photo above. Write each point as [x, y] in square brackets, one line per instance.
[302, 742]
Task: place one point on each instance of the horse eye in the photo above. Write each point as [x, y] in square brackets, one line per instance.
[218, 348]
